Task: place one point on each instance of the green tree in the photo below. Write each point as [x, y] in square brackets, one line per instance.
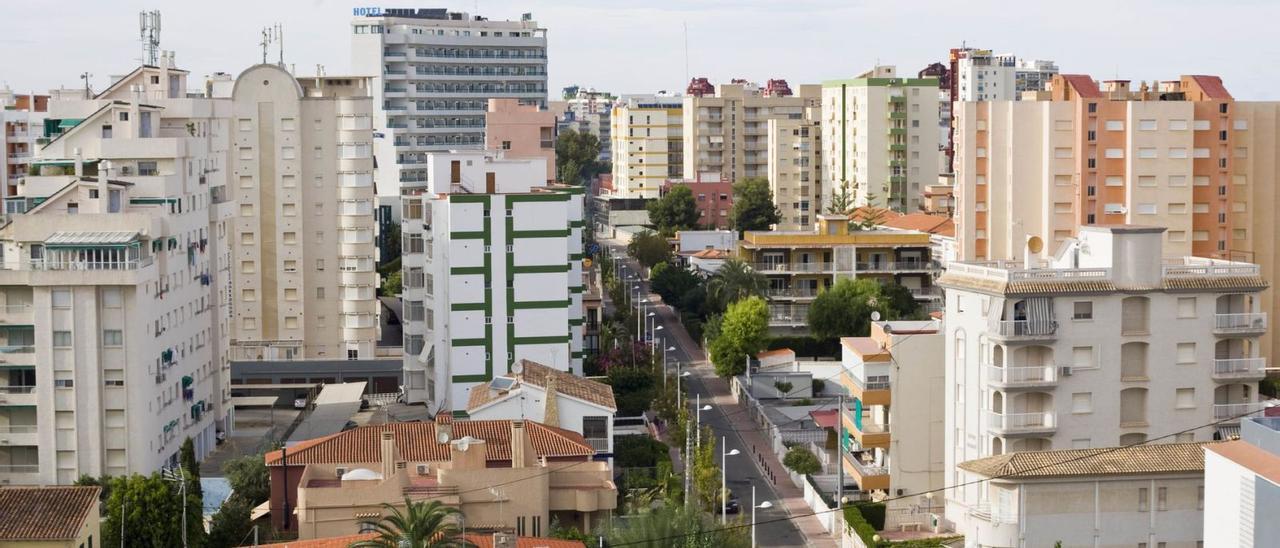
[231, 524]
[706, 472]
[632, 388]
[187, 459]
[249, 478]
[576, 156]
[649, 248]
[753, 207]
[150, 509]
[673, 283]
[425, 524]
[842, 200]
[675, 210]
[845, 309]
[868, 218]
[734, 281]
[675, 526]
[743, 332]
[801, 461]
[391, 285]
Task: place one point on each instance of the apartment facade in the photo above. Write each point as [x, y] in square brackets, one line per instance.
[522, 130]
[726, 131]
[1242, 485]
[492, 274]
[1183, 154]
[712, 195]
[586, 110]
[648, 144]
[893, 420]
[1036, 362]
[110, 258]
[21, 125]
[435, 72]
[800, 264]
[879, 137]
[794, 164]
[1145, 495]
[302, 238]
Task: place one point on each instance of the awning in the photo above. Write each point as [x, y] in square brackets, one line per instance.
[105, 238]
[67, 123]
[826, 418]
[1227, 432]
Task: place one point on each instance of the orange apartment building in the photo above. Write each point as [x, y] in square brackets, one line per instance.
[1181, 154]
[522, 130]
[21, 122]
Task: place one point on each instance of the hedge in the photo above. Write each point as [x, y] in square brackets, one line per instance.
[861, 516]
[807, 347]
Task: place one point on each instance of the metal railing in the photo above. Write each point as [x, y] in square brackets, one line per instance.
[17, 389]
[1015, 375]
[77, 265]
[792, 292]
[1026, 328]
[792, 267]
[17, 349]
[890, 266]
[19, 468]
[1012, 422]
[1239, 367]
[1249, 321]
[601, 445]
[18, 429]
[15, 308]
[1235, 411]
[866, 470]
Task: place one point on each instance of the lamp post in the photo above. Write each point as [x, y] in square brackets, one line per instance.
[647, 334]
[179, 477]
[664, 365]
[679, 394]
[763, 506]
[653, 338]
[724, 483]
[698, 416]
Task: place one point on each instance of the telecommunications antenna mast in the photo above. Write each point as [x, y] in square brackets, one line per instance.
[149, 35]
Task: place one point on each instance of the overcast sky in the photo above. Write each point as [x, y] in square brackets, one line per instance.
[639, 46]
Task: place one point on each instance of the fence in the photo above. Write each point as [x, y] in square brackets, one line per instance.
[821, 508]
[779, 438]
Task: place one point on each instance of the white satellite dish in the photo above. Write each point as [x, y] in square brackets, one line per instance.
[442, 437]
[875, 315]
[464, 444]
[517, 368]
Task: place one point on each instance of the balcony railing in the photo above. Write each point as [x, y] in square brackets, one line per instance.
[74, 265]
[792, 292]
[1014, 423]
[984, 511]
[18, 429]
[17, 389]
[1025, 329]
[794, 317]
[792, 267]
[1015, 376]
[866, 470]
[19, 468]
[601, 445]
[1249, 322]
[1236, 368]
[873, 385]
[897, 266]
[17, 349]
[1236, 411]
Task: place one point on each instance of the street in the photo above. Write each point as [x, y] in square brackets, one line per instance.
[727, 419]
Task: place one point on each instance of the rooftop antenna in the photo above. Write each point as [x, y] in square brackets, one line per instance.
[280, 37]
[86, 76]
[268, 38]
[686, 51]
[149, 35]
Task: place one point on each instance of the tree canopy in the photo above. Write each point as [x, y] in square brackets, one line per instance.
[842, 200]
[249, 478]
[151, 510]
[576, 156]
[743, 332]
[753, 207]
[801, 461]
[649, 248]
[423, 524]
[675, 210]
[845, 309]
[735, 280]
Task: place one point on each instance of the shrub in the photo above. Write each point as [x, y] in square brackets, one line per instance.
[802, 402]
[639, 452]
[818, 386]
[801, 461]
[784, 388]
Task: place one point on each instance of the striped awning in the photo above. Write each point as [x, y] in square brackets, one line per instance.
[1040, 315]
[92, 238]
[1227, 432]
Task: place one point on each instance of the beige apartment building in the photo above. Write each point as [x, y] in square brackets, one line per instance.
[794, 164]
[726, 126]
[1182, 154]
[302, 239]
[648, 147]
[880, 137]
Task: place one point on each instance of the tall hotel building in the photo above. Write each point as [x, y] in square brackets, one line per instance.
[435, 73]
[1182, 154]
[648, 144]
[726, 126]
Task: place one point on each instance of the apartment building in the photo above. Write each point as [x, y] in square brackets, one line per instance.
[880, 137]
[1182, 154]
[302, 237]
[726, 126]
[794, 168]
[1242, 485]
[1144, 495]
[586, 110]
[712, 195]
[492, 274]
[1036, 360]
[110, 258]
[551, 397]
[800, 264]
[522, 130]
[512, 475]
[892, 442]
[21, 124]
[648, 144]
[979, 75]
[435, 73]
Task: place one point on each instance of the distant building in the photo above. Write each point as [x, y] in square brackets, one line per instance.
[522, 130]
[21, 125]
[713, 196]
[50, 517]
[726, 126]
[1242, 485]
[588, 111]
[551, 397]
[648, 144]
[794, 158]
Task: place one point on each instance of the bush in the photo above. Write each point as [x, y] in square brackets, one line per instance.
[818, 386]
[853, 519]
[873, 512]
[639, 452]
[802, 461]
[802, 402]
[784, 388]
[808, 347]
[632, 388]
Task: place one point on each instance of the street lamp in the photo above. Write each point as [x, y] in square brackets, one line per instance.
[653, 337]
[763, 506]
[698, 417]
[648, 329]
[679, 394]
[724, 484]
[180, 477]
[664, 365]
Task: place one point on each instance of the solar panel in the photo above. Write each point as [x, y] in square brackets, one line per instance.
[502, 383]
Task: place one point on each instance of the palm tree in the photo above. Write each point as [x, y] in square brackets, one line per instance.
[425, 524]
[735, 280]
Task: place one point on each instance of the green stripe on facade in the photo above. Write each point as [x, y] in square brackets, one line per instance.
[483, 341]
[542, 340]
[575, 256]
[469, 235]
[539, 197]
[469, 198]
[577, 224]
[560, 233]
[539, 268]
[462, 307]
[525, 305]
[465, 270]
[576, 321]
[577, 289]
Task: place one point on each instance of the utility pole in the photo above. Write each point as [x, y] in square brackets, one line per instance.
[840, 462]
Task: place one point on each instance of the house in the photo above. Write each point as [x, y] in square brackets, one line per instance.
[49, 517]
[504, 475]
[551, 397]
[1242, 485]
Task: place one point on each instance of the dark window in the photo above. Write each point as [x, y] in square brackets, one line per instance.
[595, 427]
[1093, 108]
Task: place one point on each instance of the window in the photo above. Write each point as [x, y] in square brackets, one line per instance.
[112, 297]
[64, 383]
[1062, 152]
[367, 527]
[1146, 209]
[290, 265]
[1146, 125]
[1177, 180]
[1185, 398]
[248, 295]
[291, 322]
[1177, 208]
[1177, 125]
[1082, 357]
[319, 293]
[1186, 307]
[1240, 125]
[1162, 503]
[61, 298]
[1200, 152]
[246, 238]
[1082, 310]
[1177, 235]
[247, 267]
[1115, 180]
[112, 337]
[595, 428]
[1082, 403]
[1059, 180]
[1144, 496]
[1115, 125]
[1062, 207]
[61, 339]
[1200, 125]
[1186, 353]
[1177, 152]
[1185, 437]
[290, 294]
[1200, 498]
[1146, 153]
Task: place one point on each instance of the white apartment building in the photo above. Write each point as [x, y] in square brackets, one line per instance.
[982, 76]
[794, 168]
[893, 419]
[726, 130]
[435, 73]
[492, 274]
[1107, 344]
[1242, 486]
[112, 352]
[880, 136]
[588, 111]
[302, 236]
[1033, 74]
[21, 124]
[648, 144]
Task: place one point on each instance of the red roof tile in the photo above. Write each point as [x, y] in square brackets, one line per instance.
[45, 513]
[568, 384]
[1212, 86]
[1083, 84]
[924, 222]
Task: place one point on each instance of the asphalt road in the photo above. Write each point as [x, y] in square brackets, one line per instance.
[742, 471]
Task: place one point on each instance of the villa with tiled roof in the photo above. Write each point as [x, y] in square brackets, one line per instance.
[552, 397]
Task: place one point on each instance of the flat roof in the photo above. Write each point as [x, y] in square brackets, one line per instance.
[1252, 457]
[254, 401]
[341, 393]
[281, 386]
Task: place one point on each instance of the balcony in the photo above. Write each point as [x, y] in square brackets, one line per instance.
[876, 392]
[1239, 369]
[897, 115]
[783, 268]
[601, 445]
[898, 266]
[1233, 412]
[17, 395]
[867, 435]
[792, 293]
[789, 318]
[897, 147]
[868, 476]
[1021, 376]
[16, 314]
[1024, 331]
[926, 292]
[1009, 424]
[1250, 323]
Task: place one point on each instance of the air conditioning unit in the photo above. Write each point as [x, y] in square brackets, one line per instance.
[424, 470]
[401, 465]
[1064, 371]
[340, 471]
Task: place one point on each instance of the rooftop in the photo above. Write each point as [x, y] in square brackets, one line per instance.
[1182, 273]
[536, 374]
[866, 347]
[1252, 457]
[924, 222]
[476, 540]
[45, 513]
[1165, 458]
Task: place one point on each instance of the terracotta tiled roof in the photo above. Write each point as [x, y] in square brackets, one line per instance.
[865, 212]
[45, 513]
[568, 384]
[1165, 458]
[416, 441]
[924, 222]
[1077, 286]
[477, 540]
[1215, 283]
[867, 347]
[1083, 84]
[1212, 86]
[712, 254]
[1257, 460]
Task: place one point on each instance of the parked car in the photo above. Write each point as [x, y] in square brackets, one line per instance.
[732, 506]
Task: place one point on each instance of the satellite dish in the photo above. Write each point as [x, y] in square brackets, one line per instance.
[442, 437]
[517, 368]
[1035, 244]
[464, 444]
[875, 315]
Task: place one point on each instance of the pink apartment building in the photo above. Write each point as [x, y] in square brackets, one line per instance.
[521, 130]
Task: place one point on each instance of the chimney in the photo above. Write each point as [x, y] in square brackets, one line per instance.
[517, 444]
[551, 405]
[388, 443]
[503, 539]
[79, 163]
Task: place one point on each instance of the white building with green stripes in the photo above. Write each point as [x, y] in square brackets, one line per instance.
[492, 274]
